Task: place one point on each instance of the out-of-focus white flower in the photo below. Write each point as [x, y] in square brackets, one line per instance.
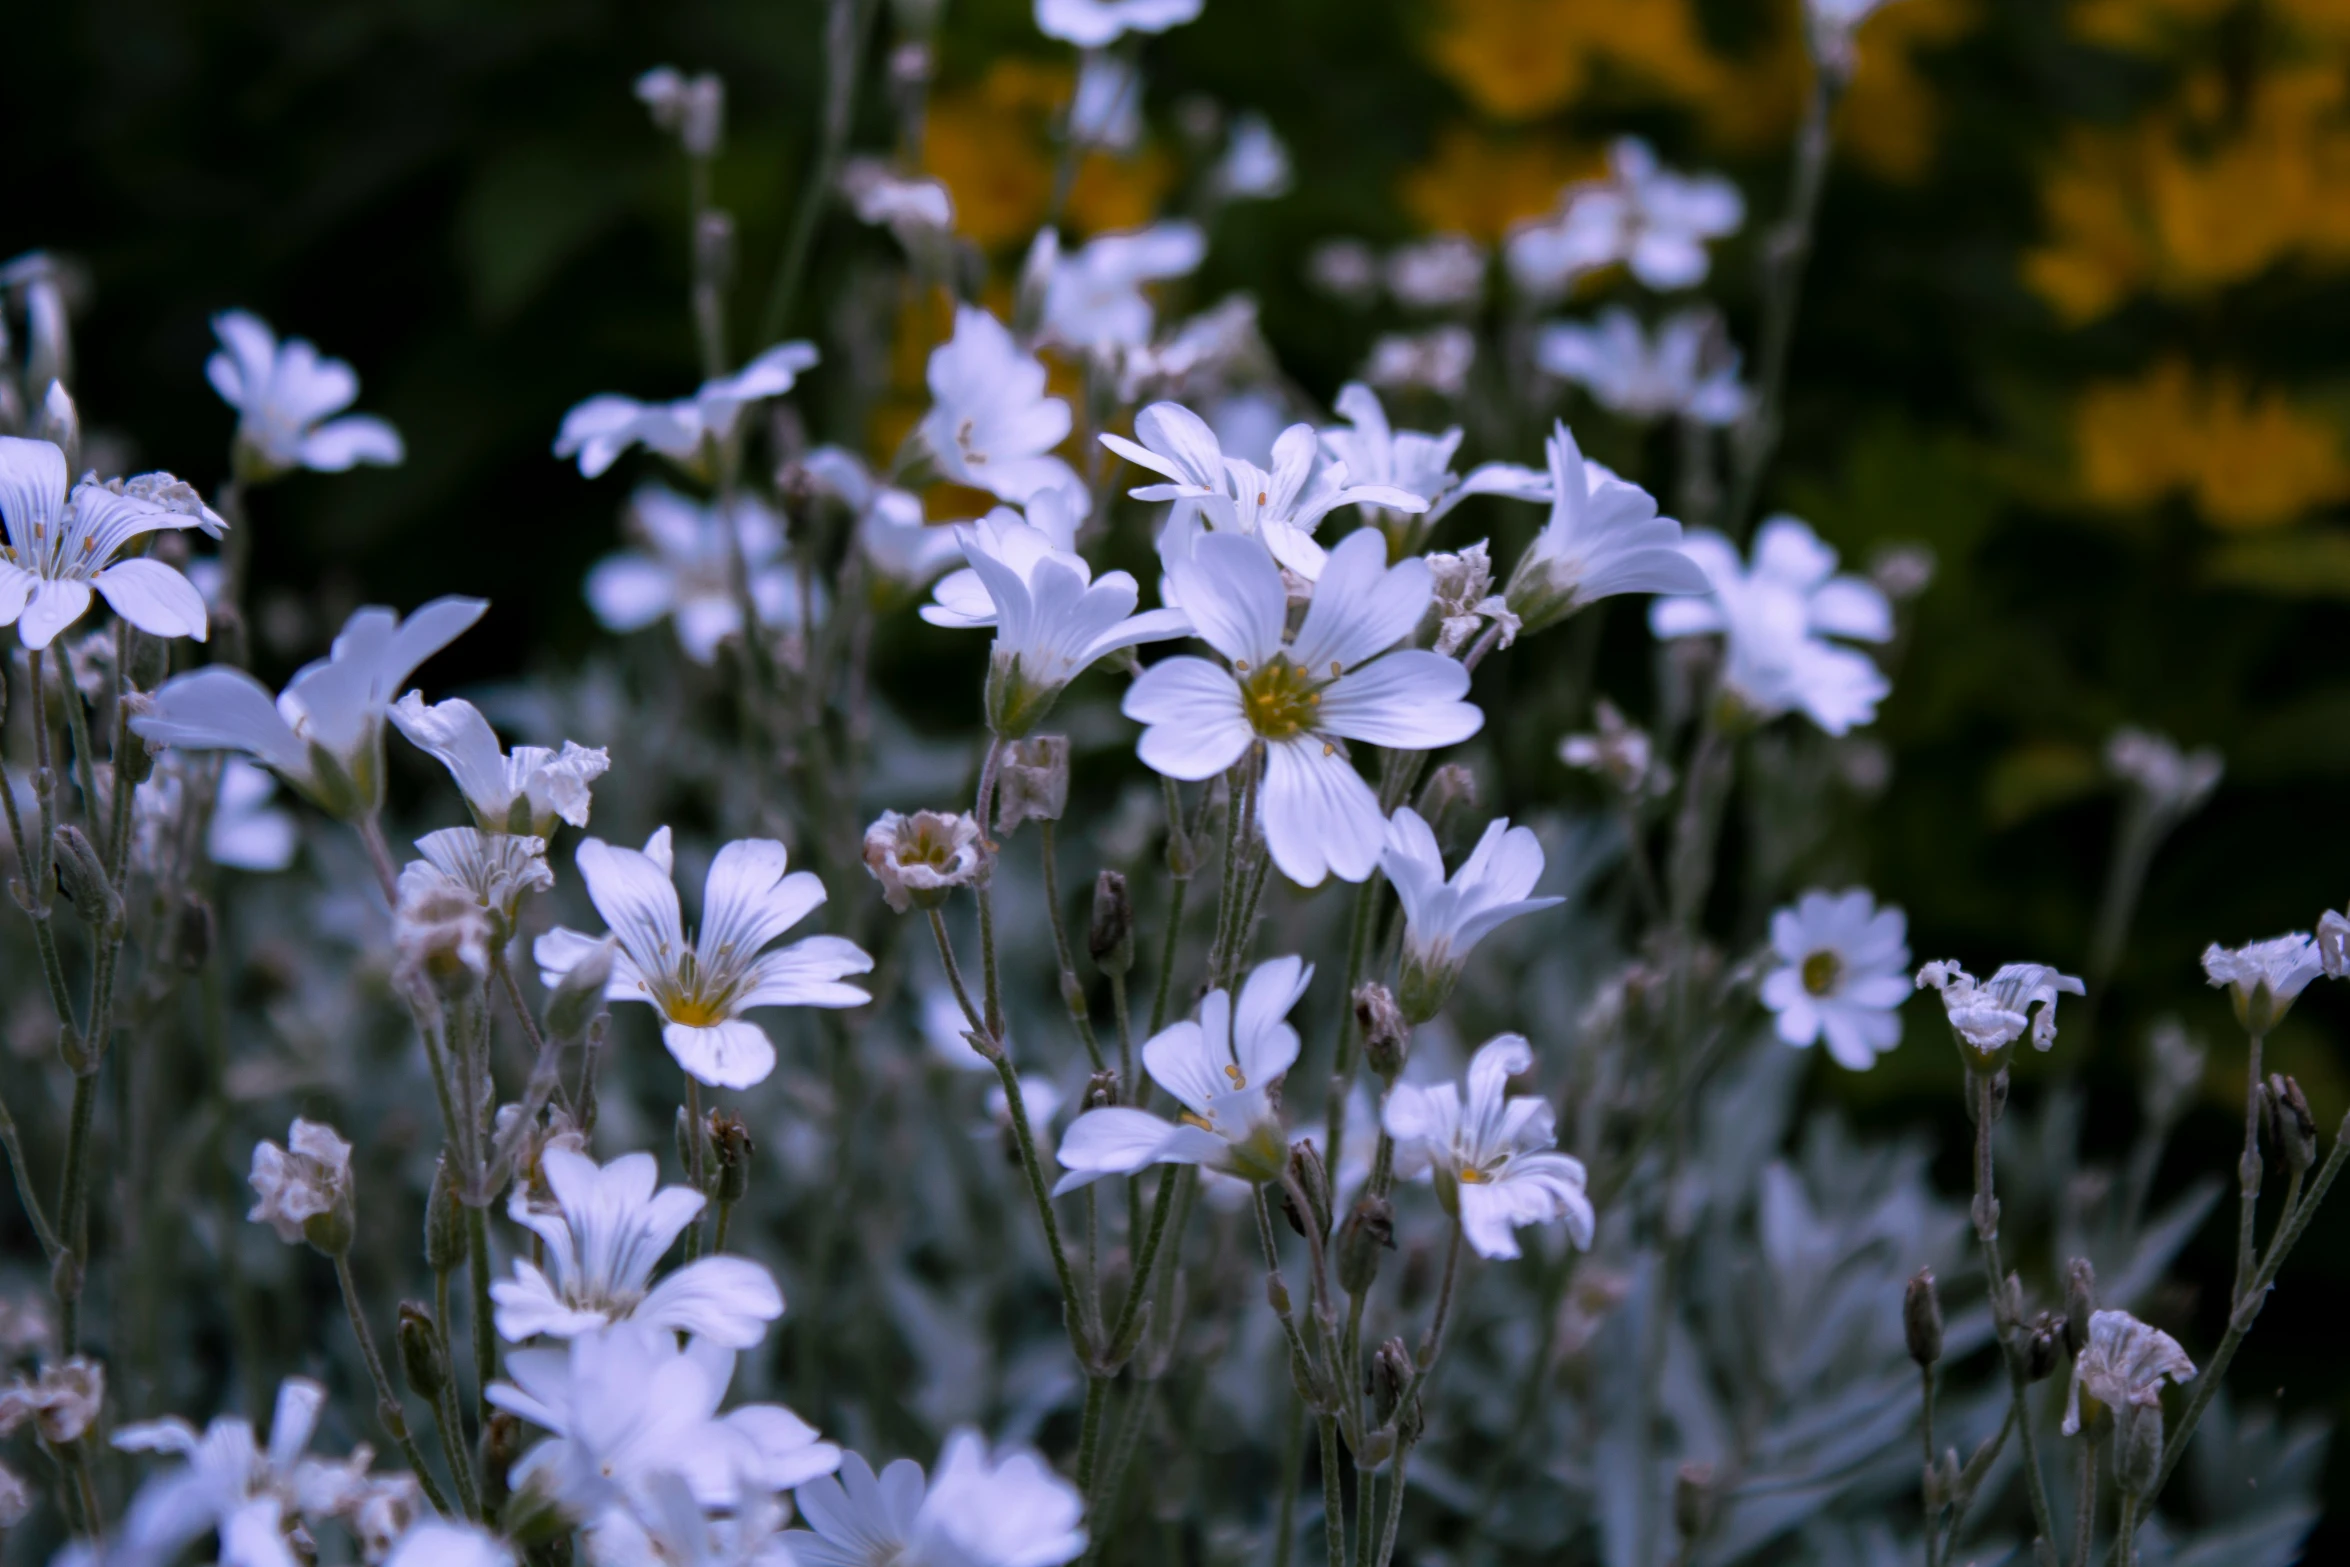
[946, 1032]
[922, 858]
[1987, 1017]
[600, 429]
[1642, 215]
[1444, 920]
[1345, 269]
[1831, 24]
[39, 281]
[1491, 1157]
[1436, 360]
[990, 424]
[2174, 783]
[304, 1187]
[905, 552]
[1446, 272]
[62, 1403]
[526, 792]
[2264, 978]
[60, 547]
[233, 1488]
[918, 212]
[1376, 453]
[1604, 537]
[682, 573]
[1255, 165]
[607, 1233]
[286, 396]
[435, 1542]
[1093, 296]
[1843, 972]
[1777, 617]
[1106, 110]
[324, 733]
[1002, 1509]
[691, 108]
[1094, 24]
[1302, 696]
[1686, 371]
[1619, 752]
[1217, 348]
[245, 833]
[702, 987]
[2123, 1367]
[1223, 1068]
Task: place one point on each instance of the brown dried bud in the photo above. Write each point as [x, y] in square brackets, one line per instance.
[1033, 782]
[1110, 934]
[1387, 1039]
[1389, 1374]
[730, 1141]
[1307, 1175]
[2045, 1348]
[2296, 1128]
[426, 1368]
[1921, 1318]
[1369, 1230]
[1101, 1091]
[2080, 1299]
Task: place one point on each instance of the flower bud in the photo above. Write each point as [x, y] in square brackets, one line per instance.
[82, 877]
[731, 1141]
[1370, 1229]
[531, 1514]
[1310, 1177]
[2139, 1458]
[1390, 1373]
[1921, 1318]
[2296, 1128]
[444, 1222]
[1101, 1091]
[1693, 1501]
[578, 996]
[1110, 934]
[2080, 1300]
[1450, 787]
[1387, 1038]
[1033, 783]
[2045, 1347]
[150, 661]
[421, 1360]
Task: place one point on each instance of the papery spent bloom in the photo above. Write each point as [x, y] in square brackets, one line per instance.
[305, 1187]
[600, 429]
[684, 571]
[1987, 1017]
[1684, 372]
[60, 547]
[1223, 1069]
[1463, 600]
[2122, 1367]
[463, 866]
[1032, 785]
[1643, 216]
[435, 1542]
[1094, 24]
[605, 1235]
[1604, 537]
[63, 1403]
[1445, 272]
[443, 935]
[1093, 296]
[922, 858]
[285, 396]
[1255, 165]
[2174, 783]
[625, 1404]
[990, 424]
[1490, 1156]
[526, 792]
[2264, 978]
[1777, 617]
[1842, 972]
[230, 1486]
[702, 987]
[1437, 360]
[981, 1509]
[1374, 452]
[1302, 697]
[1445, 919]
[324, 733]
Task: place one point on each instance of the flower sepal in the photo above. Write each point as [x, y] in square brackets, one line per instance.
[1016, 704]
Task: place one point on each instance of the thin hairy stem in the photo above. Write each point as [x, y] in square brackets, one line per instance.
[387, 1403]
[2248, 1173]
[1333, 1495]
[1986, 1210]
[1072, 989]
[2085, 1505]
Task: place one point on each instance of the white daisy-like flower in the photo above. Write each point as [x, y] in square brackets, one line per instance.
[1686, 371]
[1843, 972]
[2123, 1367]
[286, 396]
[1437, 360]
[600, 429]
[324, 733]
[435, 1542]
[1375, 453]
[1604, 537]
[1093, 296]
[1491, 1157]
[905, 552]
[1223, 1068]
[1444, 920]
[230, 1486]
[1442, 272]
[919, 212]
[702, 986]
[2264, 978]
[1643, 216]
[1987, 1017]
[60, 547]
[526, 792]
[1777, 617]
[991, 425]
[1002, 1509]
[1255, 165]
[1341, 677]
[683, 572]
[961, 598]
[1096, 24]
[607, 1232]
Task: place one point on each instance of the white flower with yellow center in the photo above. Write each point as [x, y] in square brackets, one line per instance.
[1842, 973]
[60, 547]
[1491, 1156]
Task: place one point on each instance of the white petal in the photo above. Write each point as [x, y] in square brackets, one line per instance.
[1409, 700]
[1232, 590]
[219, 708]
[1196, 728]
[345, 443]
[1319, 816]
[154, 598]
[55, 605]
[728, 1300]
[732, 1054]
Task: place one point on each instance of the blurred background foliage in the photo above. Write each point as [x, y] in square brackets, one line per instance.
[2074, 320]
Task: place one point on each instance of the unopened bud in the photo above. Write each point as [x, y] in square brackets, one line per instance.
[2045, 1347]
[2139, 1458]
[1693, 1501]
[150, 660]
[1277, 1294]
[501, 1445]
[2007, 1302]
[2296, 1128]
[2080, 1300]
[1033, 782]
[192, 934]
[1370, 1229]
[731, 1141]
[1110, 935]
[420, 1352]
[579, 994]
[1387, 1038]
[444, 1222]
[1390, 1373]
[1307, 1175]
[1101, 1091]
[82, 877]
[1921, 1318]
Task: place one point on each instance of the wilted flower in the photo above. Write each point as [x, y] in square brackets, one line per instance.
[493, 870]
[691, 108]
[1604, 537]
[1988, 1017]
[921, 859]
[1642, 215]
[1033, 783]
[232, 1487]
[60, 547]
[990, 424]
[1463, 600]
[1002, 1509]
[1685, 372]
[285, 396]
[1490, 1157]
[1093, 296]
[600, 429]
[63, 1403]
[1444, 920]
[685, 571]
[1436, 360]
[526, 792]
[305, 1187]
[1620, 752]
[443, 935]
[2264, 978]
[1446, 272]
[2123, 1366]
[1843, 972]
[1094, 24]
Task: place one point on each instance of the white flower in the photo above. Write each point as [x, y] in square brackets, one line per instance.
[1832, 24]
[1093, 297]
[901, 547]
[2123, 1366]
[282, 392]
[1223, 1068]
[1302, 696]
[600, 429]
[1988, 1017]
[231, 1487]
[59, 548]
[627, 1405]
[1843, 971]
[1603, 538]
[1444, 272]
[1106, 109]
[684, 572]
[1375, 453]
[304, 1187]
[1092, 24]
[692, 108]
[1436, 360]
[464, 871]
[1002, 1509]
[1777, 617]
[435, 1542]
[1620, 752]
[2264, 978]
[702, 987]
[62, 1405]
[1684, 372]
[1444, 920]
[921, 859]
[609, 1230]
[245, 833]
[990, 424]
[526, 792]
[2173, 783]
[1255, 165]
[1491, 1159]
[918, 211]
[1643, 215]
[324, 733]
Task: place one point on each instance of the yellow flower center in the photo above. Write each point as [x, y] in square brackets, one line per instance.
[1280, 699]
[1472, 1176]
[1821, 972]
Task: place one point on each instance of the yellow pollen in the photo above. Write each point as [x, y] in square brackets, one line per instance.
[1328, 749]
[1238, 1081]
[1472, 1176]
[1260, 497]
[1278, 698]
[1202, 1122]
[695, 1012]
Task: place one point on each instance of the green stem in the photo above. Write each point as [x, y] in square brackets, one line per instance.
[1293, 1463]
[846, 25]
[1097, 1394]
[26, 1192]
[1333, 1495]
[1072, 992]
[485, 1341]
[2125, 1532]
[2085, 1507]
[1394, 1524]
[387, 1403]
[68, 1280]
[2018, 1382]
[2248, 1173]
[697, 1139]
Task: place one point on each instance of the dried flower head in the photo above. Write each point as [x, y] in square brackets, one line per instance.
[921, 859]
[63, 1403]
[1988, 1017]
[1620, 752]
[2122, 1367]
[1033, 784]
[305, 1187]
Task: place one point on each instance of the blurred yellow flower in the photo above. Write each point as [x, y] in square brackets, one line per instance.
[991, 145]
[1522, 59]
[1479, 185]
[2163, 26]
[2249, 458]
[1890, 114]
